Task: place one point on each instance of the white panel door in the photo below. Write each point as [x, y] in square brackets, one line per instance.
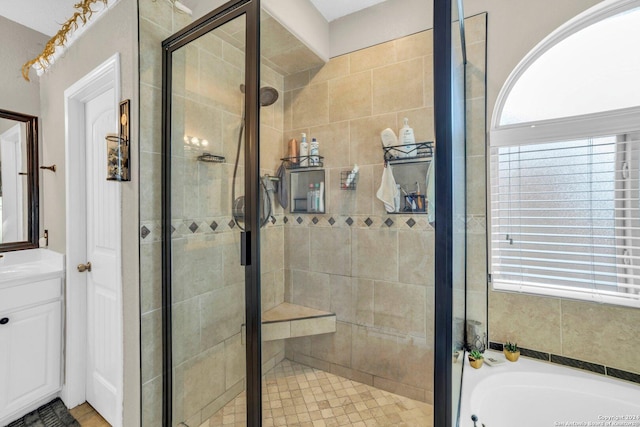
[11, 155]
[104, 339]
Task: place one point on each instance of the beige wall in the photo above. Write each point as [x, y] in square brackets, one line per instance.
[19, 45]
[514, 28]
[82, 57]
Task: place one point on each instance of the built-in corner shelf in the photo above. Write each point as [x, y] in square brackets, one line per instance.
[288, 320]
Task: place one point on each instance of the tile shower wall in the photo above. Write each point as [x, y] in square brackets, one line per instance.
[208, 287]
[374, 270]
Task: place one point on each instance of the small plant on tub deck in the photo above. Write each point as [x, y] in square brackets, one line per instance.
[475, 359]
[511, 351]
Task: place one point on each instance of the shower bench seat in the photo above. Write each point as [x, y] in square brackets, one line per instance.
[291, 321]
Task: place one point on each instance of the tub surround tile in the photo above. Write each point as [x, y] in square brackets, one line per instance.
[512, 315]
[623, 375]
[534, 354]
[575, 363]
[540, 355]
[606, 333]
[496, 346]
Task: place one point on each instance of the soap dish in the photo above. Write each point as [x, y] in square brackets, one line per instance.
[494, 361]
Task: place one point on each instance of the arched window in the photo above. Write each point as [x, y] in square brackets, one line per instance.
[565, 162]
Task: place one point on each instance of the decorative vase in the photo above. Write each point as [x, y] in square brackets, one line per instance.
[511, 356]
[476, 364]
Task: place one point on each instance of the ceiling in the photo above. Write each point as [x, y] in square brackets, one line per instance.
[46, 16]
[334, 9]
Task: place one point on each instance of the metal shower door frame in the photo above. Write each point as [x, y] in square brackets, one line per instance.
[250, 252]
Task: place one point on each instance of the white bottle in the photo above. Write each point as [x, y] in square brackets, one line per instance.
[321, 198]
[408, 139]
[316, 197]
[314, 152]
[352, 176]
[311, 202]
[396, 199]
[304, 151]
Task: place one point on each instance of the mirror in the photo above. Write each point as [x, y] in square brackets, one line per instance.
[18, 181]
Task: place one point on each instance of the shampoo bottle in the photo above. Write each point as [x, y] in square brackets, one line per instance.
[396, 199]
[311, 198]
[408, 139]
[314, 151]
[293, 151]
[316, 198]
[304, 151]
[321, 198]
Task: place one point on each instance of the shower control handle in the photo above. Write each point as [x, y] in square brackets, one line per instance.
[4, 321]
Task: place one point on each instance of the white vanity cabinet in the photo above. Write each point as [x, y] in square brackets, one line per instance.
[30, 341]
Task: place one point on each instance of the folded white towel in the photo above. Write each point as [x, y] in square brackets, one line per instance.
[388, 190]
[431, 192]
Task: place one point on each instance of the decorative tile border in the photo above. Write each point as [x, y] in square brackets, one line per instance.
[150, 231]
[574, 363]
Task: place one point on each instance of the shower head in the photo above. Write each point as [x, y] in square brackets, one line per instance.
[268, 95]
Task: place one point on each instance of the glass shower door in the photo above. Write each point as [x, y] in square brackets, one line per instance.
[207, 275]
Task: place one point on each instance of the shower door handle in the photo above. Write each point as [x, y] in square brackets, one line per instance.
[245, 248]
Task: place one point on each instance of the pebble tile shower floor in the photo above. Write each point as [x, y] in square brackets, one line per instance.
[297, 395]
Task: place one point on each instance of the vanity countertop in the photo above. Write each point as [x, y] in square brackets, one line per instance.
[33, 264]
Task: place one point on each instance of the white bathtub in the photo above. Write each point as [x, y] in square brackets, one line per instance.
[530, 393]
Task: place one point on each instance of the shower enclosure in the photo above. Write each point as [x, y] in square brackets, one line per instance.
[271, 315]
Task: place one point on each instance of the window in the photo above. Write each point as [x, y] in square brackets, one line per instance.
[565, 181]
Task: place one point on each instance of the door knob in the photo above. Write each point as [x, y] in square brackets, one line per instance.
[84, 267]
[4, 321]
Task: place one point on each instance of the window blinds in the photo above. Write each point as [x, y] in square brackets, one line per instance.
[565, 218]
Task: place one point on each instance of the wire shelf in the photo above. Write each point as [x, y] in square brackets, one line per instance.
[348, 180]
[408, 153]
[211, 158]
[303, 162]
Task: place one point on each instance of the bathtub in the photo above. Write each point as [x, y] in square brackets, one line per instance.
[531, 393]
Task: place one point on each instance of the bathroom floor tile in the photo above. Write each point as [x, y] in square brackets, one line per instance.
[297, 395]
